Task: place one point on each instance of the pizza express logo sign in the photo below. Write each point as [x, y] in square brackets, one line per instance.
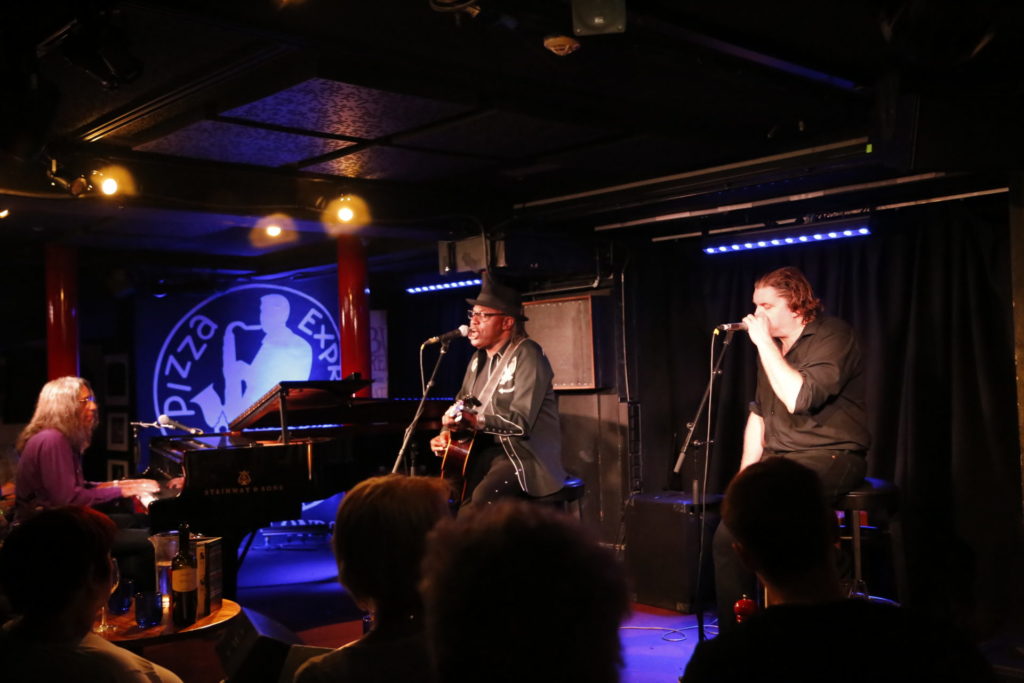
[234, 347]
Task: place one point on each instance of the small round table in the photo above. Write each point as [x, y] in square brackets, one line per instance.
[127, 634]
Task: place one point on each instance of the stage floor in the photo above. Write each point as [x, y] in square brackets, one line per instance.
[298, 587]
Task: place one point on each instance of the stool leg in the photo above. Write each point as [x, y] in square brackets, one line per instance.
[856, 551]
[859, 588]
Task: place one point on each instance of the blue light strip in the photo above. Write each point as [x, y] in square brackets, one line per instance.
[442, 285]
[751, 242]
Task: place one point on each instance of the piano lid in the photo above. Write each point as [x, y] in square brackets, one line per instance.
[300, 403]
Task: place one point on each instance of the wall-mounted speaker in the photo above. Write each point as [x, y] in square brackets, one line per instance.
[573, 332]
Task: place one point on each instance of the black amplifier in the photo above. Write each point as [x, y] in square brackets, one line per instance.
[662, 540]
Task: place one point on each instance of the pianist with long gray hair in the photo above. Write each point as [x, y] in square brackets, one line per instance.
[50, 471]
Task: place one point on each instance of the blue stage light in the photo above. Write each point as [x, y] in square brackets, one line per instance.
[442, 286]
[778, 240]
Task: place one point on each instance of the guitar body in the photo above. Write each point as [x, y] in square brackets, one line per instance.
[460, 443]
[455, 461]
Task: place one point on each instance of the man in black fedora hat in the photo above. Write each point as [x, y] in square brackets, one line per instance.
[517, 450]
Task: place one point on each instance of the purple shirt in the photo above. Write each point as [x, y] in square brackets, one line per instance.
[50, 475]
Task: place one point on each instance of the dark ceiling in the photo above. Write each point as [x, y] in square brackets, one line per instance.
[449, 120]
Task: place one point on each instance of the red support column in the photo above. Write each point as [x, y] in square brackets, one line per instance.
[61, 311]
[354, 309]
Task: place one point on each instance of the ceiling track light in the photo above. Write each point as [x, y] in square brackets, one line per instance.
[107, 181]
[344, 213]
[273, 230]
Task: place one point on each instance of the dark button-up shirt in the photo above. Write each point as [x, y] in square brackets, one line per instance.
[522, 416]
[830, 411]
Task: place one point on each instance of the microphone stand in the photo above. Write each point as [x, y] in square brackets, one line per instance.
[699, 486]
[136, 455]
[419, 409]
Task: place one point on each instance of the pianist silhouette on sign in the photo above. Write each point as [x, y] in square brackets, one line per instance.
[282, 356]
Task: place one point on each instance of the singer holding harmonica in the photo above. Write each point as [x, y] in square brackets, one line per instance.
[808, 405]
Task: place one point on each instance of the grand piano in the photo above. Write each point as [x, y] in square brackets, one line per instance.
[301, 442]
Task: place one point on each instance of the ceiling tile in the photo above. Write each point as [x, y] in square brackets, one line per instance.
[390, 163]
[343, 109]
[219, 141]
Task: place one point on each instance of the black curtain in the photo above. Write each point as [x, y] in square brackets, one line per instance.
[929, 295]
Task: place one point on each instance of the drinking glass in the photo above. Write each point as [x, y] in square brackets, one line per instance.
[115, 579]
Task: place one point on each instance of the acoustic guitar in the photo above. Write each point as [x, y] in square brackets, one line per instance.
[460, 442]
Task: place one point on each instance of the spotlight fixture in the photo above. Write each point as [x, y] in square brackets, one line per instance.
[4, 213]
[75, 185]
[347, 212]
[441, 286]
[273, 230]
[113, 179]
[791, 236]
[108, 181]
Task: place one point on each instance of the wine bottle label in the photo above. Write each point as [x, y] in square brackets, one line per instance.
[183, 580]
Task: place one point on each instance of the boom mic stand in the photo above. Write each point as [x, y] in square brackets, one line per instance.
[419, 408]
[700, 486]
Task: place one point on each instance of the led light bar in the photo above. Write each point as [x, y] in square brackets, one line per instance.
[748, 242]
[442, 285]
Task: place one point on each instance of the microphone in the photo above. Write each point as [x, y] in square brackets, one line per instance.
[732, 327]
[460, 331]
[165, 421]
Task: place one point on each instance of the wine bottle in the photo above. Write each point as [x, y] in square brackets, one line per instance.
[184, 584]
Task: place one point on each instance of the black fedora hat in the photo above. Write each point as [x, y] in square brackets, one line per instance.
[500, 297]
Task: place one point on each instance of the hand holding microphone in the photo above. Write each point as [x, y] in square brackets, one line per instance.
[754, 325]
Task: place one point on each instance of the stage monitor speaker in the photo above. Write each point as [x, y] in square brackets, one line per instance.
[594, 17]
[254, 648]
[662, 540]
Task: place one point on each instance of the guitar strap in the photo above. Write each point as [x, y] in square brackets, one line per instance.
[492, 382]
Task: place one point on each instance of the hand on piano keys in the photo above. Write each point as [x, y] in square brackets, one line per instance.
[142, 490]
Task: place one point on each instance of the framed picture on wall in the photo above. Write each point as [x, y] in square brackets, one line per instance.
[117, 432]
[117, 469]
[117, 380]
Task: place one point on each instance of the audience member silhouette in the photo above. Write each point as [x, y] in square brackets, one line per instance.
[786, 534]
[517, 592]
[56, 570]
[379, 539]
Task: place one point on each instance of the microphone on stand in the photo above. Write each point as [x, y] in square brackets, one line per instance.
[732, 327]
[165, 421]
[460, 331]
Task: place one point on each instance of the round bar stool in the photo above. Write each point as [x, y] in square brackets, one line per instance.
[880, 499]
[571, 494]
